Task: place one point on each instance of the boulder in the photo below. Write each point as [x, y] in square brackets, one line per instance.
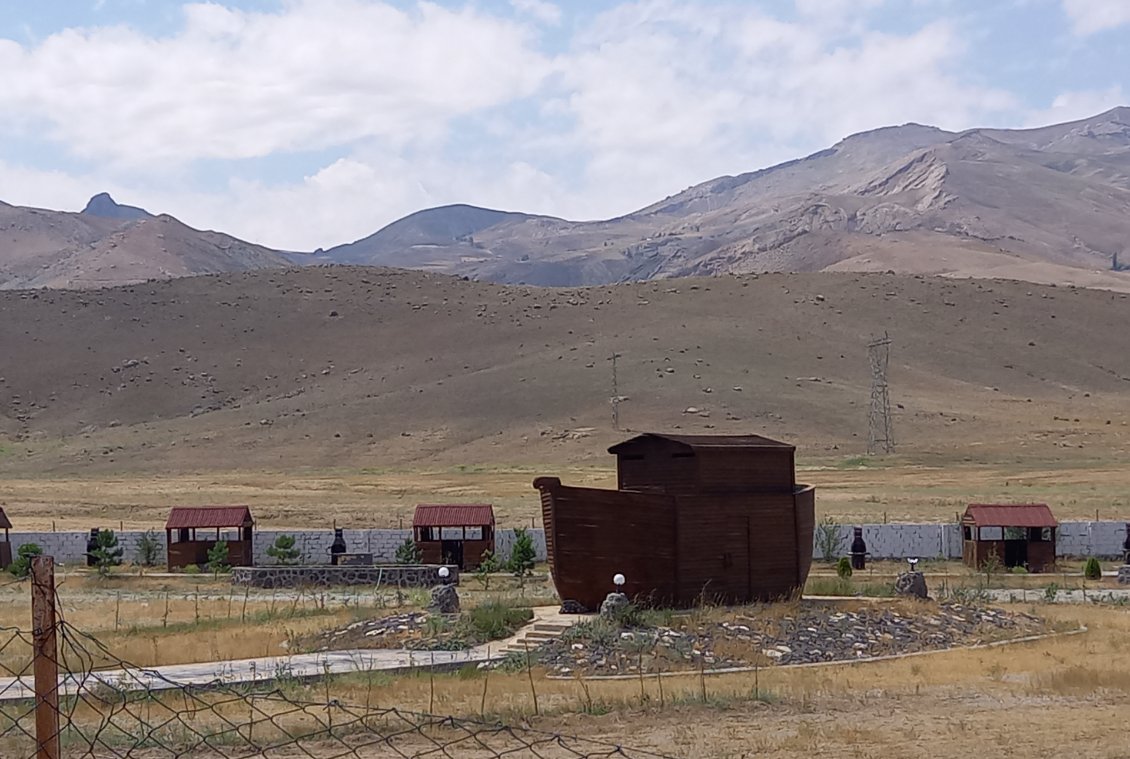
[1124, 575]
[911, 584]
[569, 606]
[445, 600]
[613, 604]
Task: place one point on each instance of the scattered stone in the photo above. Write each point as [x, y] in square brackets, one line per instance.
[613, 604]
[1124, 575]
[445, 600]
[569, 606]
[911, 584]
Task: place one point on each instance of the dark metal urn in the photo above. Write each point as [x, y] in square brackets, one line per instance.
[1126, 546]
[337, 548]
[92, 546]
[858, 549]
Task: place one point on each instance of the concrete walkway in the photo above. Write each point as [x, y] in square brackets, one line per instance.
[269, 668]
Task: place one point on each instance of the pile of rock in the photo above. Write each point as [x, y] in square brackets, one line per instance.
[386, 632]
[813, 633]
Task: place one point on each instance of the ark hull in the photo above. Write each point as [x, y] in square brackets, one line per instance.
[677, 550]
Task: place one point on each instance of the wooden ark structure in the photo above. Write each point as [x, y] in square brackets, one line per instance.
[456, 534]
[694, 517]
[1018, 535]
[191, 531]
[5, 540]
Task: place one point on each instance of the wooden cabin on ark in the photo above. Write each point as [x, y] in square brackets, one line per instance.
[6, 543]
[456, 534]
[185, 545]
[694, 516]
[1018, 535]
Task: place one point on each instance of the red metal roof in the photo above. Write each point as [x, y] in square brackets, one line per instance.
[708, 441]
[187, 517]
[453, 515]
[1010, 515]
[5, 523]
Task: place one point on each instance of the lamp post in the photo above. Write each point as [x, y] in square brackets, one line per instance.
[444, 573]
[618, 581]
[913, 562]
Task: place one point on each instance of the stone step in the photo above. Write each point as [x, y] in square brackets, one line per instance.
[554, 627]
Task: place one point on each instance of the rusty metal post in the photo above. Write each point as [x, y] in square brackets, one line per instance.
[45, 668]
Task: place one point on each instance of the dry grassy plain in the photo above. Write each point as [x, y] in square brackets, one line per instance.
[852, 490]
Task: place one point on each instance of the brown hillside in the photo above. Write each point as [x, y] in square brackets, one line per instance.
[355, 367]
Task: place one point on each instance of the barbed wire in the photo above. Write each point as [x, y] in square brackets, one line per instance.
[110, 708]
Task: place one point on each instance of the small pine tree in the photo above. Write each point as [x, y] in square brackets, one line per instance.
[488, 565]
[283, 551]
[843, 567]
[107, 553]
[21, 567]
[522, 553]
[408, 552]
[218, 558]
[1092, 570]
[148, 549]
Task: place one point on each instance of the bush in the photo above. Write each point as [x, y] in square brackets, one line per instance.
[107, 553]
[148, 549]
[495, 619]
[488, 565]
[829, 539]
[192, 569]
[21, 567]
[218, 557]
[1092, 570]
[843, 567]
[522, 553]
[408, 552]
[283, 551]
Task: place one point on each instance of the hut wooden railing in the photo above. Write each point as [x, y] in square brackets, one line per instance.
[196, 552]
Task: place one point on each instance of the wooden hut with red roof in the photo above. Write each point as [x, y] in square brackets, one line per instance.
[455, 533]
[6, 543]
[1017, 534]
[185, 544]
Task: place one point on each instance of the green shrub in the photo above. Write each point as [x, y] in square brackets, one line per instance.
[1092, 570]
[408, 552]
[488, 565]
[496, 619]
[843, 567]
[107, 553]
[148, 549]
[283, 551]
[192, 569]
[522, 553]
[218, 557]
[21, 567]
[829, 539]
[1018, 571]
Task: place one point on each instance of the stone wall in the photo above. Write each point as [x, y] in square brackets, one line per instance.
[884, 541]
[70, 547]
[395, 576]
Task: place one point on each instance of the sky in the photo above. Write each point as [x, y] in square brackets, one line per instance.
[301, 124]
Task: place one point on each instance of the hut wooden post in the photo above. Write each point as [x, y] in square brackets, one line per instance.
[45, 666]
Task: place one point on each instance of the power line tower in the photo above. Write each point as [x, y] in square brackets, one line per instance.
[880, 439]
[615, 399]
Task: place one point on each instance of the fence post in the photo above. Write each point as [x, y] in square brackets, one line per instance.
[45, 668]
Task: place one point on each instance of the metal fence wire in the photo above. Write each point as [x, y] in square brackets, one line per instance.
[102, 706]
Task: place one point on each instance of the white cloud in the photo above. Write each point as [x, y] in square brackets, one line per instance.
[1092, 16]
[235, 84]
[647, 98]
[1077, 104]
[541, 10]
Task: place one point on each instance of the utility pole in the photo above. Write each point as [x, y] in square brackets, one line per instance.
[615, 399]
[880, 438]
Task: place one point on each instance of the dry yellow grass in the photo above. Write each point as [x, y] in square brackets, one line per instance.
[852, 490]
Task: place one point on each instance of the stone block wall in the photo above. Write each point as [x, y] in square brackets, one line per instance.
[884, 541]
[397, 576]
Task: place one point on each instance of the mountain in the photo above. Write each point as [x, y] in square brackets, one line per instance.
[1048, 205]
[105, 206]
[331, 367]
[110, 244]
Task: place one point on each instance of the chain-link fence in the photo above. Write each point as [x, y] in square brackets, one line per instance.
[64, 695]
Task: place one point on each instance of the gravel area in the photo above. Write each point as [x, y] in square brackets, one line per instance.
[814, 632]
